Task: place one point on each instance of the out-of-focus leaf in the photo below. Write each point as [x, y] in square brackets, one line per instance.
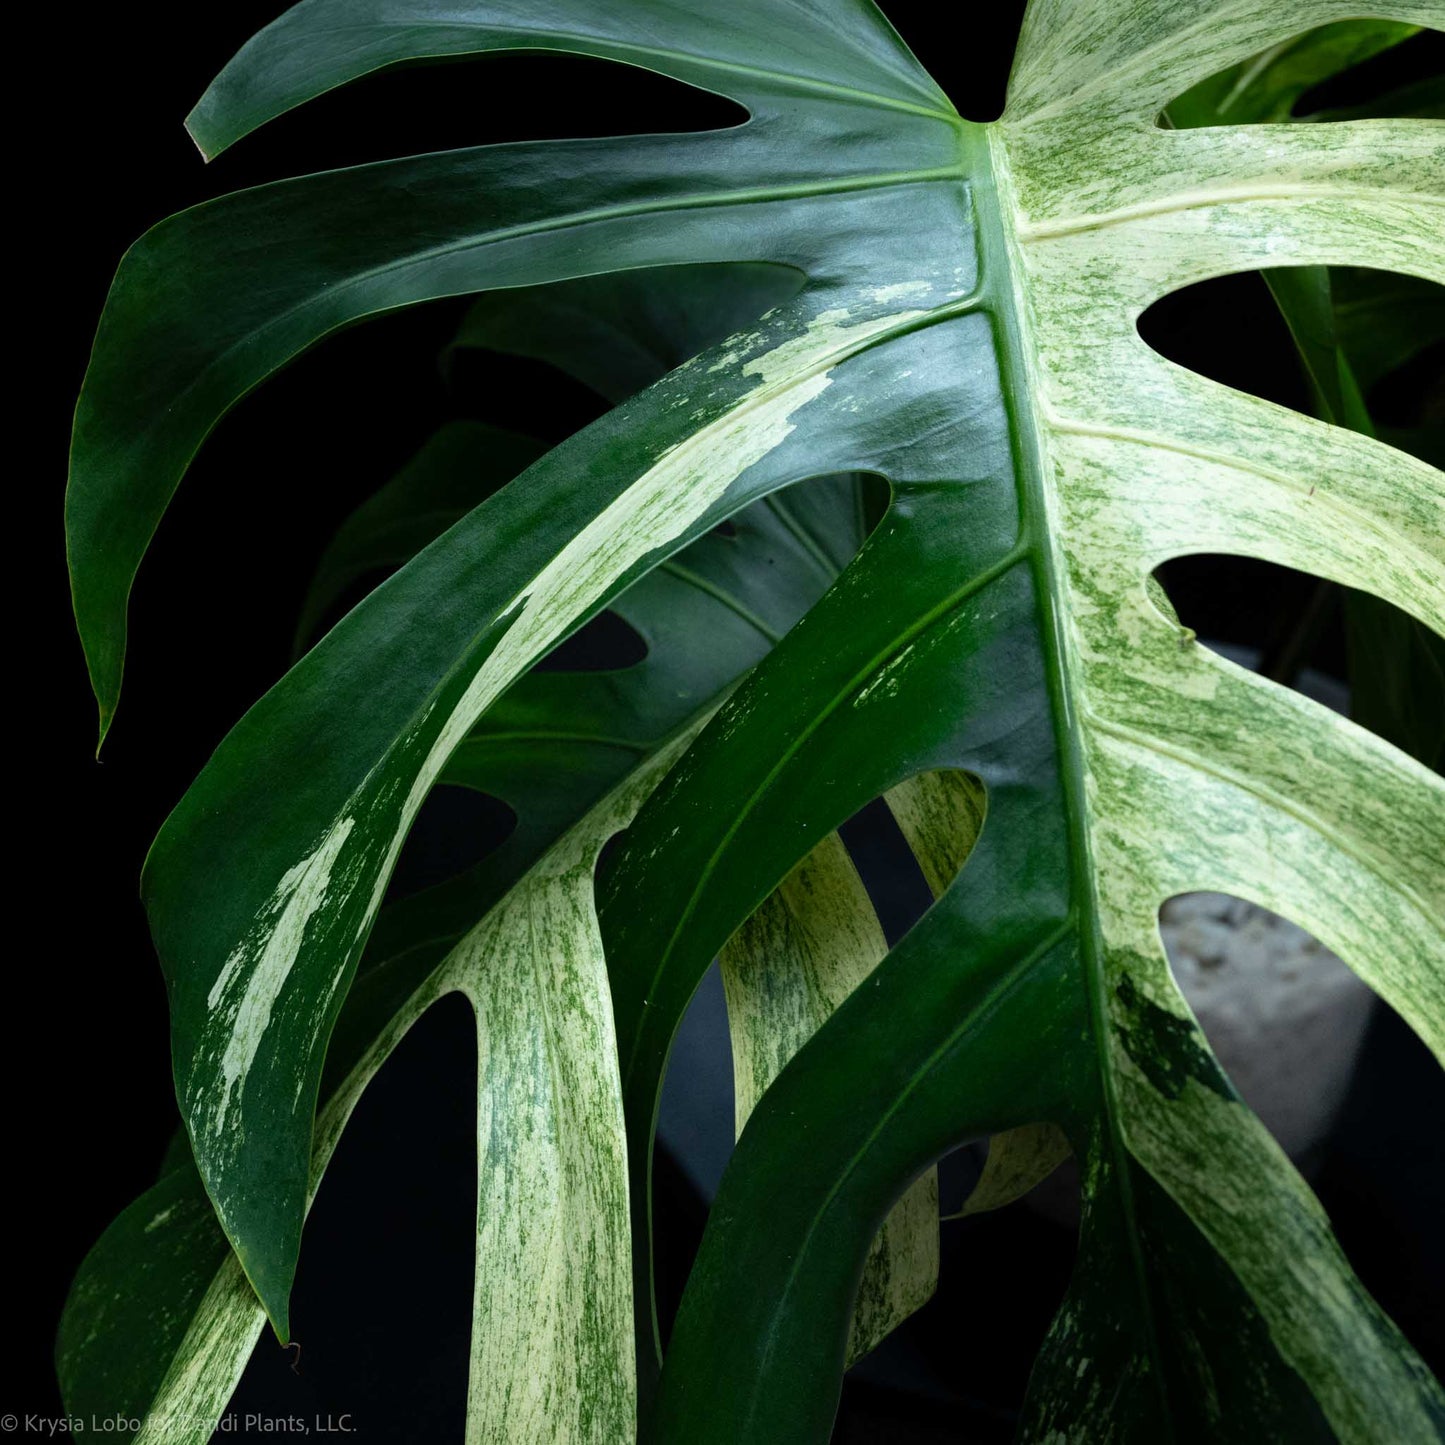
[784, 971]
[462, 465]
[620, 332]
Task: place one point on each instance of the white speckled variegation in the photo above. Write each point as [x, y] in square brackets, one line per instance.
[552, 1340]
[775, 375]
[552, 1335]
[1190, 773]
[1196, 774]
[784, 971]
[658, 507]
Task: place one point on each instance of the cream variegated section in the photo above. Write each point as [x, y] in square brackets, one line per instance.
[940, 815]
[552, 1354]
[245, 995]
[780, 372]
[1220, 1164]
[682, 484]
[1359, 869]
[784, 972]
[1017, 1160]
[197, 1387]
[552, 1326]
[552, 1347]
[1094, 60]
[552, 1341]
[1341, 506]
[1139, 171]
[1196, 774]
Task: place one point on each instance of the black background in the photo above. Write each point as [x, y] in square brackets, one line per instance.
[383, 1292]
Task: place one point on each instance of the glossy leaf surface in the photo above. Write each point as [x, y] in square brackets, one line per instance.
[161, 1319]
[966, 331]
[1352, 328]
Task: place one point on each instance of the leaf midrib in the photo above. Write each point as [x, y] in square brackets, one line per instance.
[1000, 241]
[901, 640]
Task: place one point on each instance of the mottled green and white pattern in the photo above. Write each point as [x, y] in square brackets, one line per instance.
[941, 815]
[552, 1348]
[794, 961]
[1197, 774]
[966, 329]
[552, 1323]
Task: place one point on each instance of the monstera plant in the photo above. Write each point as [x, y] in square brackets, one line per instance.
[888, 479]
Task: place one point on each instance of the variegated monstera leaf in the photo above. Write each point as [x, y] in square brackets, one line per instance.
[994, 659]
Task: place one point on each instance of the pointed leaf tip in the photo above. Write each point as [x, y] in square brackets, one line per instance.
[105, 705]
[192, 124]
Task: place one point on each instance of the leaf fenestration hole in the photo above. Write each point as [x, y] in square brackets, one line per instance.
[1274, 620]
[942, 812]
[391, 1236]
[1361, 348]
[695, 1115]
[1337, 1077]
[606, 643]
[452, 102]
[814, 941]
[1020, 1258]
[1378, 84]
[455, 829]
[1284, 1016]
[1354, 653]
[908, 849]
[973, 74]
[888, 867]
[1345, 70]
[1203, 327]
